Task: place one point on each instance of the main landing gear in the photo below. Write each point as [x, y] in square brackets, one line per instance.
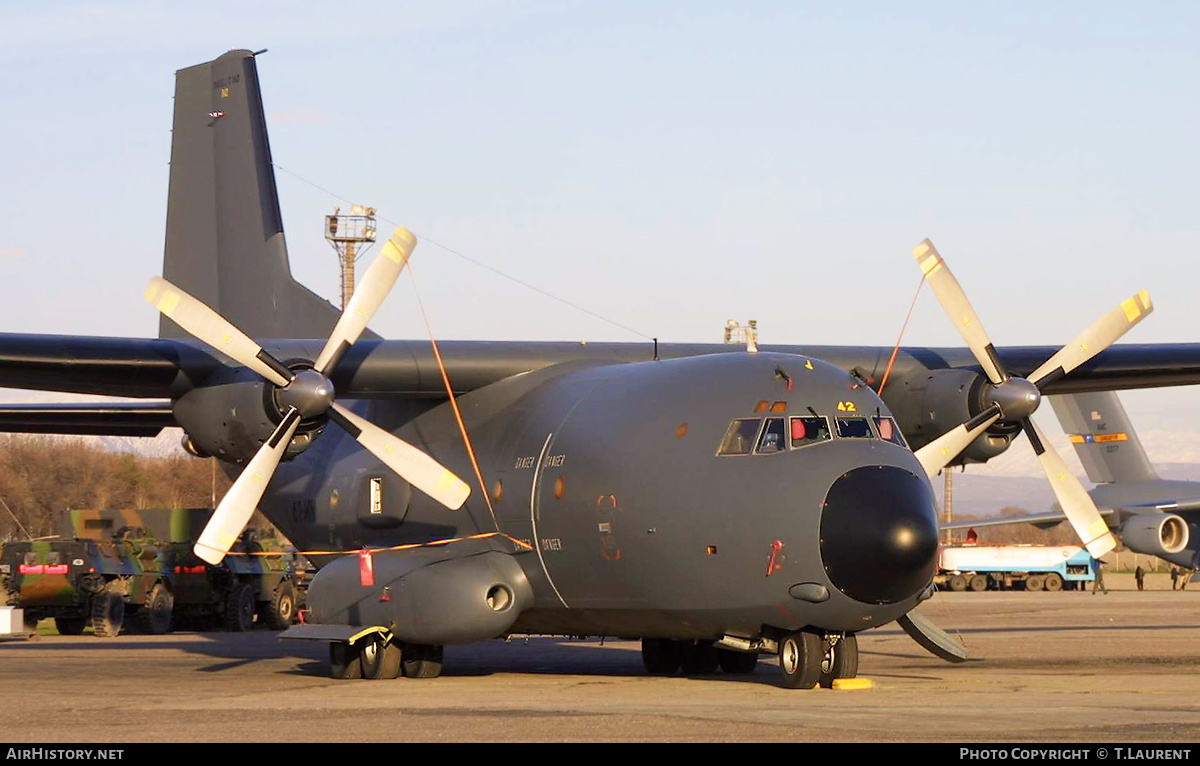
[378, 656]
[806, 658]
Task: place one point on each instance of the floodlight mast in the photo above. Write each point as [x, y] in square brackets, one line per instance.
[351, 236]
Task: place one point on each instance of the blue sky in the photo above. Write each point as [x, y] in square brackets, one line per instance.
[669, 165]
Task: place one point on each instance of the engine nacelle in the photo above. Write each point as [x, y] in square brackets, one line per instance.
[931, 403]
[231, 414]
[423, 597]
[1155, 534]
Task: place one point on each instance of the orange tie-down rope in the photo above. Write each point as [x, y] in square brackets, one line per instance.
[521, 544]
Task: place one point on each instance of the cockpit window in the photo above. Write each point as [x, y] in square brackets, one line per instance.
[772, 437]
[809, 430]
[853, 428]
[889, 431]
[739, 439]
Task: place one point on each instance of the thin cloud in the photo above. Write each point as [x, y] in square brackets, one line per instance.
[12, 252]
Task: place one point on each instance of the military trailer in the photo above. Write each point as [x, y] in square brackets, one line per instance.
[113, 564]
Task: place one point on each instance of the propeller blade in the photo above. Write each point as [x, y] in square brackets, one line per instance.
[932, 638]
[1077, 506]
[215, 330]
[942, 451]
[235, 509]
[410, 463]
[368, 296]
[954, 301]
[1103, 333]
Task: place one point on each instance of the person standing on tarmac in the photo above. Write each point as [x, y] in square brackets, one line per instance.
[1099, 582]
[1139, 574]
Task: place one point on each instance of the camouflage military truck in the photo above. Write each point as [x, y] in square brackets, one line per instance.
[110, 564]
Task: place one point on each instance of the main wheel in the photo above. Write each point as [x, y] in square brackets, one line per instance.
[283, 607]
[800, 659]
[1054, 582]
[661, 656]
[978, 583]
[343, 661]
[958, 583]
[699, 657]
[1033, 583]
[380, 658]
[737, 662]
[70, 626]
[154, 616]
[840, 660]
[421, 661]
[108, 614]
[239, 608]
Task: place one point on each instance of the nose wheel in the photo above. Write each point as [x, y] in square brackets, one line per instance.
[800, 656]
[840, 659]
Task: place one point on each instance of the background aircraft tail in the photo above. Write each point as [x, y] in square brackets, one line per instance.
[225, 241]
[1103, 437]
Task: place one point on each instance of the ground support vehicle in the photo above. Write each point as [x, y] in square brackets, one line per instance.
[1011, 567]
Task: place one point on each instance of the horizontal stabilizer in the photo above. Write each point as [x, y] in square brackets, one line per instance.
[120, 419]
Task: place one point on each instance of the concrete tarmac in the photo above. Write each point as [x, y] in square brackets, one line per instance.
[1050, 667]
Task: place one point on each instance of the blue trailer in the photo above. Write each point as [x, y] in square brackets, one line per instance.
[1003, 567]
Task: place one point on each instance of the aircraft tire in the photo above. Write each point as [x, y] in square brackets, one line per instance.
[421, 661]
[738, 663]
[699, 657]
[978, 583]
[958, 583]
[379, 657]
[108, 614]
[840, 661]
[70, 626]
[1033, 583]
[1054, 582]
[661, 656]
[343, 661]
[800, 656]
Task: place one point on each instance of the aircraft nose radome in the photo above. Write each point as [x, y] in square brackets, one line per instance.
[879, 534]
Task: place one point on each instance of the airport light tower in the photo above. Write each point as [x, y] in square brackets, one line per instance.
[351, 236]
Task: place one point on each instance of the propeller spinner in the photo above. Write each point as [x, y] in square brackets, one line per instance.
[1013, 398]
[306, 393]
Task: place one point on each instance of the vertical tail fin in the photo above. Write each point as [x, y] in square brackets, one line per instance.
[225, 241]
[1103, 437]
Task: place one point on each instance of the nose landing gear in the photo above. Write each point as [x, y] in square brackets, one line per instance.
[807, 658]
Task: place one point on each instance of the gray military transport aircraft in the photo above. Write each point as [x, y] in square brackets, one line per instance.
[1150, 515]
[716, 504]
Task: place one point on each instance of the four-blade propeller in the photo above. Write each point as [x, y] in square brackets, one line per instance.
[305, 393]
[1016, 399]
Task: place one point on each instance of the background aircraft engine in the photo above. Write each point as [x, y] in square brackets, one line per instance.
[936, 402]
[1155, 534]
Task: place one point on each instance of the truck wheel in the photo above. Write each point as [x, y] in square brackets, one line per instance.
[421, 661]
[978, 583]
[661, 656]
[840, 661]
[108, 614]
[1033, 583]
[738, 663]
[1054, 582]
[239, 608]
[343, 661]
[380, 658]
[70, 626]
[282, 610]
[958, 583]
[699, 657]
[154, 616]
[800, 659]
